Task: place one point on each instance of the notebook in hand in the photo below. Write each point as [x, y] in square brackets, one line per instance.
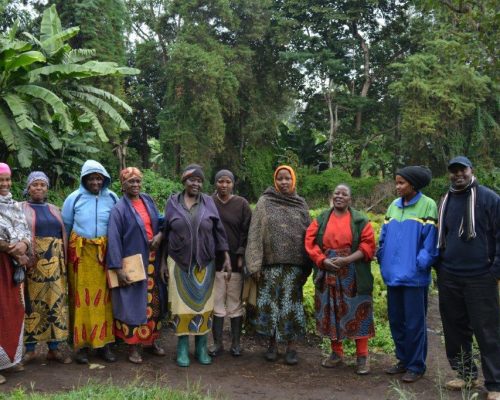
[133, 268]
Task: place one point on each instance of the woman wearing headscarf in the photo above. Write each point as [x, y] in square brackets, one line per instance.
[193, 233]
[85, 214]
[276, 256]
[235, 214]
[133, 230]
[407, 250]
[46, 317]
[15, 243]
[341, 243]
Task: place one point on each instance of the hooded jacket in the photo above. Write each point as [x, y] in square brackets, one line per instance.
[86, 213]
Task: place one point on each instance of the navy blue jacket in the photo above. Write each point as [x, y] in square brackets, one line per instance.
[482, 254]
[179, 234]
[126, 237]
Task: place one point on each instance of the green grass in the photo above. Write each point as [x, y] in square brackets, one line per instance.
[108, 391]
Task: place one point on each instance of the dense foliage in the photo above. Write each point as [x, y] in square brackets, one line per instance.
[357, 88]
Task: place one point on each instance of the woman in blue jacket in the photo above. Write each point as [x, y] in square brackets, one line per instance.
[407, 250]
[134, 229]
[192, 234]
[85, 215]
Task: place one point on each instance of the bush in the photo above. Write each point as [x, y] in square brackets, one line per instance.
[317, 187]
[157, 187]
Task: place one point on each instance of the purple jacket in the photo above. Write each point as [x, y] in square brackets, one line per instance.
[207, 232]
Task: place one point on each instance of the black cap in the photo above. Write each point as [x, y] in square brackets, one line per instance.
[460, 160]
[418, 176]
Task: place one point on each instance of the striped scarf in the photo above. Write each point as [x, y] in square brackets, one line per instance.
[468, 222]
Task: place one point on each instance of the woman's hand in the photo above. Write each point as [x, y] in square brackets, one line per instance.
[22, 260]
[154, 244]
[256, 276]
[164, 272]
[122, 278]
[18, 249]
[239, 263]
[329, 265]
[226, 267]
[340, 261]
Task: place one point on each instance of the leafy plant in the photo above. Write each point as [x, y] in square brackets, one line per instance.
[43, 95]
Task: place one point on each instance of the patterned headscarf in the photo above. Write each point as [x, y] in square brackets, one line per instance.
[292, 173]
[130, 172]
[192, 170]
[37, 176]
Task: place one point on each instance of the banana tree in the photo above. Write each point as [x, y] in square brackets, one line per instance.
[45, 95]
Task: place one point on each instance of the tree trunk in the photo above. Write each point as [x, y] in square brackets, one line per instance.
[364, 93]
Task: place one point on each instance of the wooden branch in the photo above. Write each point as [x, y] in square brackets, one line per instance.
[463, 8]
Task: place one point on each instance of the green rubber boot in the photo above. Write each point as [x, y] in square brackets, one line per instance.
[183, 351]
[201, 350]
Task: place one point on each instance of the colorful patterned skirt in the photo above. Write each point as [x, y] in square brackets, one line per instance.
[147, 333]
[91, 313]
[11, 316]
[191, 298]
[46, 318]
[340, 312]
[280, 312]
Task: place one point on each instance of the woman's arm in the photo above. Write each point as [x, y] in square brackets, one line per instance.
[312, 248]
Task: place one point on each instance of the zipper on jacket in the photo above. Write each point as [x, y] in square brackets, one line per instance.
[96, 203]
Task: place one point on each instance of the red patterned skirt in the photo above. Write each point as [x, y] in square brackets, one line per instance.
[147, 333]
[340, 312]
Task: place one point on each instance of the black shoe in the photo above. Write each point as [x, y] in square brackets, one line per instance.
[236, 324]
[398, 368]
[291, 357]
[271, 353]
[410, 376]
[82, 356]
[106, 354]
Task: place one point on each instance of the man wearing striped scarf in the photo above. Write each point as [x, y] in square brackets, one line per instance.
[468, 277]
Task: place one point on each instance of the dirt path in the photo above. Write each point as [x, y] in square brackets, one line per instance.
[250, 376]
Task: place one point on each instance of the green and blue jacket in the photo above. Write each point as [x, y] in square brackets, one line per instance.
[408, 242]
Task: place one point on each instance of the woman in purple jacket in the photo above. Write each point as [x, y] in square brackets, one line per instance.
[192, 234]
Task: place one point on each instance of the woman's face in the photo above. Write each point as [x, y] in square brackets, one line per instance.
[93, 183]
[284, 181]
[403, 187]
[38, 191]
[5, 184]
[132, 187]
[224, 186]
[341, 197]
[193, 186]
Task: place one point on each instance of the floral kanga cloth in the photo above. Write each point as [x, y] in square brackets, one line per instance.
[279, 302]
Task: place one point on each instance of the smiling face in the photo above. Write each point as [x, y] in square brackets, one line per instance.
[341, 198]
[193, 186]
[132, 187]
[404, 188]
[284, 181]
[460, 176]
[5, 184]
[93, 182]
[224, 186]
[38, 191]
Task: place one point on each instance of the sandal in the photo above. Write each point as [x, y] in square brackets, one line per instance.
[133, 355]
[3, 379]
[29, 357]
[57, 355]
[157, 350]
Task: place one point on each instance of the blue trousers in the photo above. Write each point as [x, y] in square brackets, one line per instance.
[407, 309]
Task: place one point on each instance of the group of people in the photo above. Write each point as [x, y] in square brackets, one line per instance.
[191, 264]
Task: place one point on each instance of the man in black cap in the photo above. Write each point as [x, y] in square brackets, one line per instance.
[468, 276]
